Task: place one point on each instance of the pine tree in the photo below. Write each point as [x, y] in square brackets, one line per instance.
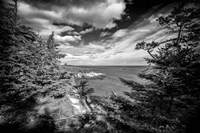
[171, 92]
[49, 69]
[29, 68]
[83, 93]
[17, 59]
[175, 73]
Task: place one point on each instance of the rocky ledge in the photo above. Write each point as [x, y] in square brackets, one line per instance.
[90, 75]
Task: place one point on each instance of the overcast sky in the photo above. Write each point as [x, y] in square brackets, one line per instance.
[97, 32]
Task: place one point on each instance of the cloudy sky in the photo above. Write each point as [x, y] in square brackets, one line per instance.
[97, 32]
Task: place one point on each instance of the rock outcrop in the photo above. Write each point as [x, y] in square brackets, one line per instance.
[90, 75]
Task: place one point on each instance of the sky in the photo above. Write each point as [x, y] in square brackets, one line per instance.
[97, 32]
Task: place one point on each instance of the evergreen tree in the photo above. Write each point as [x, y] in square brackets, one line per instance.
[171, 92]
[17, 58]
[83, 93]
[29, 68]
[49, 70]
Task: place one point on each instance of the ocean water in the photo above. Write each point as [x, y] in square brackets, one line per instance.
[111, 82]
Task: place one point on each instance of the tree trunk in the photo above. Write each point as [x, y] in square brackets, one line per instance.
[87, 104]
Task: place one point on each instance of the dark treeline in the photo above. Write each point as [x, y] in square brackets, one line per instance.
[168, 102]
[30, 69]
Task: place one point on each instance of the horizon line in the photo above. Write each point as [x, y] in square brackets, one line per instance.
[107, 65]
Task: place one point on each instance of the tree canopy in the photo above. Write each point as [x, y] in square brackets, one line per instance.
[170, 96]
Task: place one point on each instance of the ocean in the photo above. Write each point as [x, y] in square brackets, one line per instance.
[112, 82]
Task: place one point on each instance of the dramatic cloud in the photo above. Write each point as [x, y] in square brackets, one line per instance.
[119, 48]
[119, 33]
[77, 25]
[43, 25]
[65, 39]
[99, 14]
[86, 31]
[104, 34]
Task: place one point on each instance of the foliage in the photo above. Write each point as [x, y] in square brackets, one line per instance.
[29, 68]
[84, 93]
[175, 72]
[18, 63]
[171, 92]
